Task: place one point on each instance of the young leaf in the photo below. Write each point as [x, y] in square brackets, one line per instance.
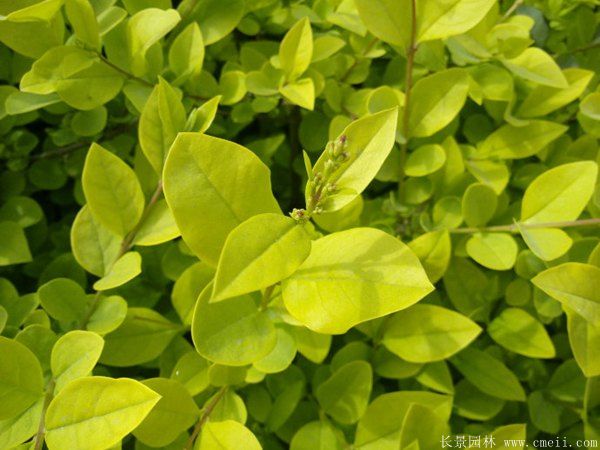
[425, 160]
[233, 332]
[479, 204]
[74, 355]
[585, 343]
[144, 29]
[82, 17]
[112, 191]
[126, 268]
[119, 406]
[159, 226]
[545, 99]
[174, 413]
[295, 51]
[434, 250]
[199, 190]
[497, 251]
[21, 378]
[534, 64]
[365, 145]
[488, 374]
[440, 20]
[345, 395]
[576, 286]
[518, 331]
[109, 314]
[63, 299]
[258, 253]
[388, 20]
[512, 142]
[227, 435]
[186, 54]
[300, 92]
[559, 194]
[437, 99]
[162, 118]
[15, 249]
[282, 354]
[546, 243]
[94, 247]
[142, 336]
[426, 333]
[351, 277]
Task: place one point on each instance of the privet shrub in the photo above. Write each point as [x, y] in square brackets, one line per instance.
[328, 224]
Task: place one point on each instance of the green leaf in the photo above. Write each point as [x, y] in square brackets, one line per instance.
[421, 428]
[518, 331]
[82, 17]
[425, 160]
[345, 395]
[436, 100]
[191, 370]
[38, 11]
[94, 247]
[479, 204]
[282, 354]
[174, 413]
[318, 435]
[74, 355]
[426, 333]
[512, 142]
[158, 227]
[381, 425]
[119, 406]
[388, 20]
[63, 299]
[201, 118]
[15, 249]
[204, 202]
[143, 336]
[258, 253]
[233, 332]
[546, 243]
[217, 18]
[494, 174]
[300, 92]
[295, 51]
[108, 315]
[576, 286]
[144, 29]
[509, 433]
[227, 435]
[368, 142]
[351, 277]
[186, 54]
[76, 75]
[21, 379]
[20, 428]
[232, 86]
[488, 374]
[585, 343]
[162, 118]
[123, 270]
[188, 287]
[434, 250]
[112, 191]
[442, 19]
[534, 64]
[545, 99]
[559, 194]
[497, 251]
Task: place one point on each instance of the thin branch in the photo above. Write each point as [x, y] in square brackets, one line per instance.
[204, 417]
[39, 436]
[511, 10]
[514, 228]
[294, 120]
[408, 85]
[584, 48]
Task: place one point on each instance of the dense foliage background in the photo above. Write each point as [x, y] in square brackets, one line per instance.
[443, 152]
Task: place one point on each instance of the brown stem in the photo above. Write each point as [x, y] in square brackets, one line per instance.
[39, 436]
[408, 85]
[511, 10]
[513, 228]
[204, 417]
